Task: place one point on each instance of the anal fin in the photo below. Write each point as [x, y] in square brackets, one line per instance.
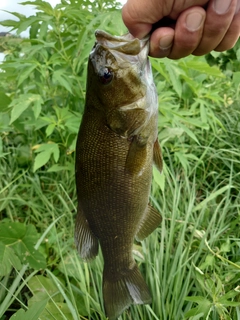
[86, 242]
[157, 156]
[149, 223]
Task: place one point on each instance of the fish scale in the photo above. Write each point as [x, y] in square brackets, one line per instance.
[116, 148]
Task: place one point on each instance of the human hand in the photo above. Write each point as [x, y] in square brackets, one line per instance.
[196, 26]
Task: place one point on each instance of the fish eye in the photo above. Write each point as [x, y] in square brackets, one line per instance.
[105, 75]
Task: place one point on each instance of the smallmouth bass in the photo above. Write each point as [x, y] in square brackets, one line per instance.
[116, 148]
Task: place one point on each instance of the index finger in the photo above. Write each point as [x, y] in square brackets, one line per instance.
[139, 17]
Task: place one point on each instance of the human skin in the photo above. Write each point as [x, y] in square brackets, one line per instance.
[196, 26]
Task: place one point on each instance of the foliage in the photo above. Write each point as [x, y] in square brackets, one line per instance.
[192, 261]
[228, 61]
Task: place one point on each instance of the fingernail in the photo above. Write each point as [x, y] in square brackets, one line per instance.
[194, 21]
[221, 6]
[238, 7]
[166, 42]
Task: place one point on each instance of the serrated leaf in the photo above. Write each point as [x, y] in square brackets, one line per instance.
[26, 73]
[202, 67]
[19, 106]
[59, 77]
[174, 75]
[204, 306]
[24, 101]
[182, 159]
[45, 151]
[40, 4]
[190, 133]
[9, 23]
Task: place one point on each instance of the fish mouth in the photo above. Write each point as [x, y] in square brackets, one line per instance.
[126, 44]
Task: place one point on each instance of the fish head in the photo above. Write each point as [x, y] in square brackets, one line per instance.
[119, 72]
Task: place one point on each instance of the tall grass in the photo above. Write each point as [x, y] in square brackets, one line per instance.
[192, 261]
[197, 243]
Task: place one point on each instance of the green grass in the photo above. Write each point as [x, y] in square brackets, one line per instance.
[194, 253]
[192, 261]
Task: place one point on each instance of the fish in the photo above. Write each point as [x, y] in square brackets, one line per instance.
[117, 146]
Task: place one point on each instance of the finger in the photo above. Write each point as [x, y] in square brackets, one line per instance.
[139, 17]
[232, 35]
[183, 39]
[161, 42]
[188, 32]
[219, 17]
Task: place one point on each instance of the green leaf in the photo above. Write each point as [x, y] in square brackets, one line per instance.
[236, 77]
[41, 5]
[26, 73]
[4, 102]
[60, 77]
[8, 259]
[204, 307]
[181, 157]
[37, 106]
[58, 168]
[202, 67]
[170, 133]
[32, 313]
[190, 133]
[43, 288]
[159, 178]
[50, 128]
[19, 105]
[174, 74]
[45, 151]
[22, 240]
[41, 159]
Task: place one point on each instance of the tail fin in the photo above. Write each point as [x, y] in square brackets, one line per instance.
[120, 293]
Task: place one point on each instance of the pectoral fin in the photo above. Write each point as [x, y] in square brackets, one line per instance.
[126, 121]
[137, 156]
[86, 242]
[157, 156]
[150, 222]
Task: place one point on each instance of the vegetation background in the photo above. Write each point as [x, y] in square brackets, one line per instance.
[192, 261]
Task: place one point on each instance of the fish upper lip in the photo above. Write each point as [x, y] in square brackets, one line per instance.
[126, 37]
[126, 44]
